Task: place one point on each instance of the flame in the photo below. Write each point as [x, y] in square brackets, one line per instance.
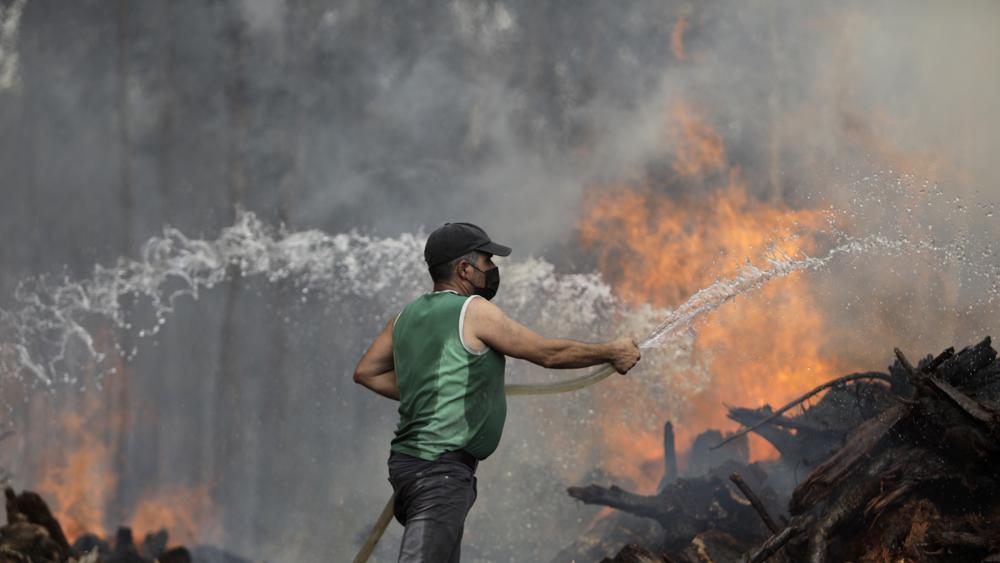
[677, 39]
[702, 150]
[659, 249]
[80, 485]
[188, 514]
[79, 488]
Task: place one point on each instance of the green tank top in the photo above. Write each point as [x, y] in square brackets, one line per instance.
[451, 397]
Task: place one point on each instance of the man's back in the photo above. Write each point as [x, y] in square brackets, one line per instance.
[451, 396]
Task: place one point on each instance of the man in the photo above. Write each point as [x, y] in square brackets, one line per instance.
[443, 359]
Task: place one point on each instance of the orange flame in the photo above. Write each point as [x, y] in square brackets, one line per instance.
[659, 250]
[702, 150]
[677, 39]
[187, 514]
[81, 483]
[80, 487]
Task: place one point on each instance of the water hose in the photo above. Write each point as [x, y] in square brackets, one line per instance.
[559, 386]
[516, 389]
[377, 530]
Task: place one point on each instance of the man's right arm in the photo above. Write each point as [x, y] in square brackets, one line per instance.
[376, 370]
[492, 327]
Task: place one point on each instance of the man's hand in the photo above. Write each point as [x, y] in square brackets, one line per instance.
[626, 354]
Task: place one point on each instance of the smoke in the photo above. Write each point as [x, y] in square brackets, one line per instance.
[119, 118]
[10, 19]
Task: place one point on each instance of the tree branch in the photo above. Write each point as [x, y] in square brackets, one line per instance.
[782, 410]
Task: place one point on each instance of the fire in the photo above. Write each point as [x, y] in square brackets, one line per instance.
[659, 249]
[81, 484]
[80, 487]
[703, 151]
[677, 39]
[188, 515]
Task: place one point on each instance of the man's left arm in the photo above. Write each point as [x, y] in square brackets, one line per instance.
[376, 370]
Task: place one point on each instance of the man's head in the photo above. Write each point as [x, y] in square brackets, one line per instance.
[459, 256]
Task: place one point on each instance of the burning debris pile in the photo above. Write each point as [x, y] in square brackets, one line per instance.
[897, 466]
[34, 535]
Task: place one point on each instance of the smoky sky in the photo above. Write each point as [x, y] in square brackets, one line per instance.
[118, 117]
[394, 116]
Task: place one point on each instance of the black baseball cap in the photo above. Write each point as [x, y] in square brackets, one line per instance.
[455, 239]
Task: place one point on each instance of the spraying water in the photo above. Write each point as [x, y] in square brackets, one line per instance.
[51, 334]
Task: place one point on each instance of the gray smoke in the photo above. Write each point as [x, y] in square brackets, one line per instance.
[118, 118]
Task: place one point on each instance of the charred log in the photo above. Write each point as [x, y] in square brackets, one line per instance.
[839, 382]
[33, 535]
[635, 554]
[835, 470]
[713, 546]
[770, 547]
[904, 480]
[670, 473]
[35, 511]
[691, 506]
[754, 501]
[607, 535]
[29, 540]
[902, 466]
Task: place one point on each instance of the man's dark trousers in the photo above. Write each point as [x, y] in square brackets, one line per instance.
[432, 500]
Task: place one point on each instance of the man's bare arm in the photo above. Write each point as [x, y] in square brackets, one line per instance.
[495, 329]
[376, 370]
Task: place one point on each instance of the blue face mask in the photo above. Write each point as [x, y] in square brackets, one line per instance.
[489, 290]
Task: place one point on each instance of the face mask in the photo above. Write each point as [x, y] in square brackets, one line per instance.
[489, 290]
